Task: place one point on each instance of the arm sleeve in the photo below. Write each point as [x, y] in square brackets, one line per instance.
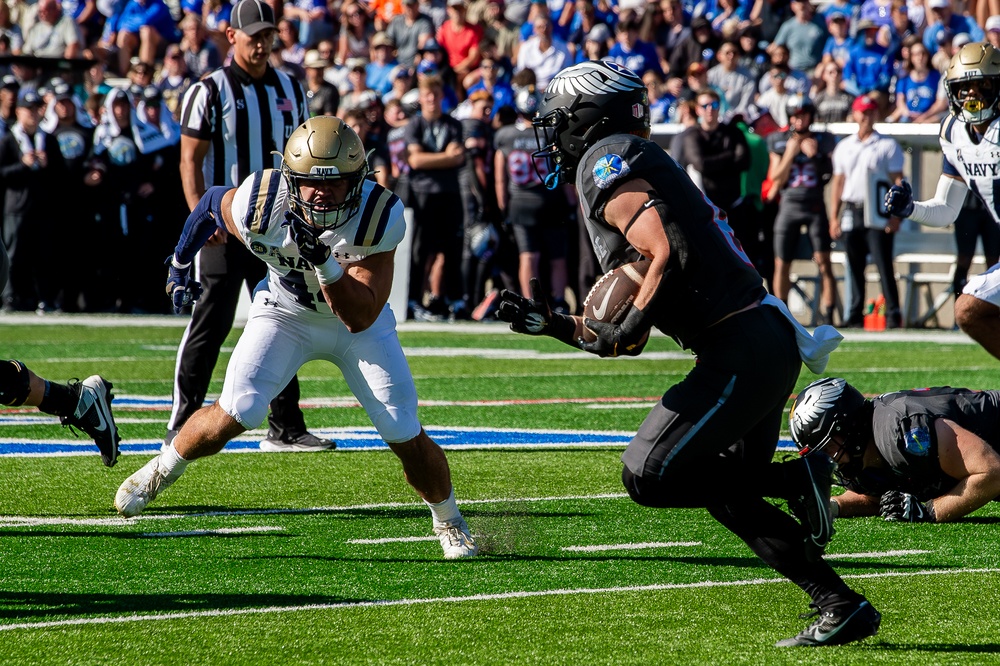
[942, 210]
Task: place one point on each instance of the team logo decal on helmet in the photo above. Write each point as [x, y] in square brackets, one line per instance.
[582, 105]
[324, 148]
[608, 169]
[822, 410]
[973, 83]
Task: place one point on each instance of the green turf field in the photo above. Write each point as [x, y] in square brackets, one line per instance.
[257, 558]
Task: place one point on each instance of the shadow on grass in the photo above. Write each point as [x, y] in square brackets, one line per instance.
[52, 606]
[983, 648]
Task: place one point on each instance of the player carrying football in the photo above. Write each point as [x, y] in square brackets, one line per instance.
[709, 442]
[970, 141]
[328, 236]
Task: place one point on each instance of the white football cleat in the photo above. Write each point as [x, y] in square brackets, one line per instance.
[456, 540]
[142, 488]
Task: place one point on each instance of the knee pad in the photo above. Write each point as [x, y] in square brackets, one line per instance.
[15, 383]
[396, 426]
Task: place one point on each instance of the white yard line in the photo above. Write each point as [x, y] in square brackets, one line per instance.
[14, 521]
[372, 542]
[222, 531]
[876, 555]
[229, 612]
[630, 546]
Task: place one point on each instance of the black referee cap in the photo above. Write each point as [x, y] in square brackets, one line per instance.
[252, 16]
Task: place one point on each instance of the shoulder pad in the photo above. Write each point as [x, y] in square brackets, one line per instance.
[262, 191]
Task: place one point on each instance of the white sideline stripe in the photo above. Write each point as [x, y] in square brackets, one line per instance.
[119, 619]
[215, 532]
[370, 542]
[630, 546]
[887, 553]
[14, 521]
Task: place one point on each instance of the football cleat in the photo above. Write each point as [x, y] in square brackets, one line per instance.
[142, 488]
[456, 540]
[836, 626]
[296, 443]
[812, 507]
[93, 416]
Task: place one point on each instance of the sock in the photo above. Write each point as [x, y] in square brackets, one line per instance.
[172, 463]
[445, 511]
[59, 400]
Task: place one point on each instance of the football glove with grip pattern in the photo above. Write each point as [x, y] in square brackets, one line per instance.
[534, 316]
[306, 237]
[181, 288]
[617, 339]
[899, 200]
[896, 506]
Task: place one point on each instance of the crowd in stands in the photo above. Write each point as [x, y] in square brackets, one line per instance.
[115, 194]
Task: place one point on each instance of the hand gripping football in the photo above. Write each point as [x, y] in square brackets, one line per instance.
[611, 298]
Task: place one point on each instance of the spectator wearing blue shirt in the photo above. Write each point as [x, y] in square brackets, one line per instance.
[869, 64]
[142, 26]
[503, 94]
[838, 44]
[941, 16]
[382, 63]
[916, 92]
[629, 51]
[312, 19]
[805, 35]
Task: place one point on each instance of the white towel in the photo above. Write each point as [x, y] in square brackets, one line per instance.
[815, 347]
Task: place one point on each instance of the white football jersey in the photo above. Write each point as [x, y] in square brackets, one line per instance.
[978, 164]
[258, 212]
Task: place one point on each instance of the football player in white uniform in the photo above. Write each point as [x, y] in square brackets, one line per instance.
[328, 236]
[970, 141]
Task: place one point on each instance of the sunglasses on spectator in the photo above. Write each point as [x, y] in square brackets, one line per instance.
[709, 105]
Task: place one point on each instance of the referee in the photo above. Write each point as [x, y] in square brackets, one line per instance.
[231, 122]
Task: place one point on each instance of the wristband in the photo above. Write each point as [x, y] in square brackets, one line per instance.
[562, 327]
[176, 264]
[329, 271]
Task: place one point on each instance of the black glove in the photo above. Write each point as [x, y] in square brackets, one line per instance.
[896, 506]
[181, 289]
[899, 200]
[617, 340]
[534, 316]
[306, 236]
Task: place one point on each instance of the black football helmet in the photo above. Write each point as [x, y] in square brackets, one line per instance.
[582, 105]
[825, 408]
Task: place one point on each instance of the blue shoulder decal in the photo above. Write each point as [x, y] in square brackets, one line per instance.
[918, 441]
[608, 169]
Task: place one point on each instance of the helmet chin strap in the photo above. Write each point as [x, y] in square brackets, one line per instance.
[554, 179]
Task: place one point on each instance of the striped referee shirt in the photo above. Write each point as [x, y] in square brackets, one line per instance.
[244, 119]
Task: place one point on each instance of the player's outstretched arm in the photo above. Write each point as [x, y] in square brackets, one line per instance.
[205, 219]
[534, 316]
[939, 211]
[970, 459]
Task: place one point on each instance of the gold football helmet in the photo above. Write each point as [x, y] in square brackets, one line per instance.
[324, 148]
[973, 83]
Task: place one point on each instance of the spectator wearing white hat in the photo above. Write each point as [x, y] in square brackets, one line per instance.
[993, 30]
[322, 98]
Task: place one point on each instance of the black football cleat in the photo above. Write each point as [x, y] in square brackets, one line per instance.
[812, 507]
[837, 625]
[93, 416]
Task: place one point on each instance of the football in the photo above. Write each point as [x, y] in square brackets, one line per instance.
[611, 298]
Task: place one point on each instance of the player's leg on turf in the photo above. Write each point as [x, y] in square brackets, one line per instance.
[377, 373]
[979, 320]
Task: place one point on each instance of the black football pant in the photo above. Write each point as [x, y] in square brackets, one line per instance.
[710, 441]
[861, 242]
[224, 269]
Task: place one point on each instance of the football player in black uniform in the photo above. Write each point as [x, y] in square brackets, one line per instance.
[927, 455]
[800, 168]
[710, 440]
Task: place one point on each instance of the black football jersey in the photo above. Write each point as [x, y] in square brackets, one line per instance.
[708, 275]
[809, 174]
[903, 425]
